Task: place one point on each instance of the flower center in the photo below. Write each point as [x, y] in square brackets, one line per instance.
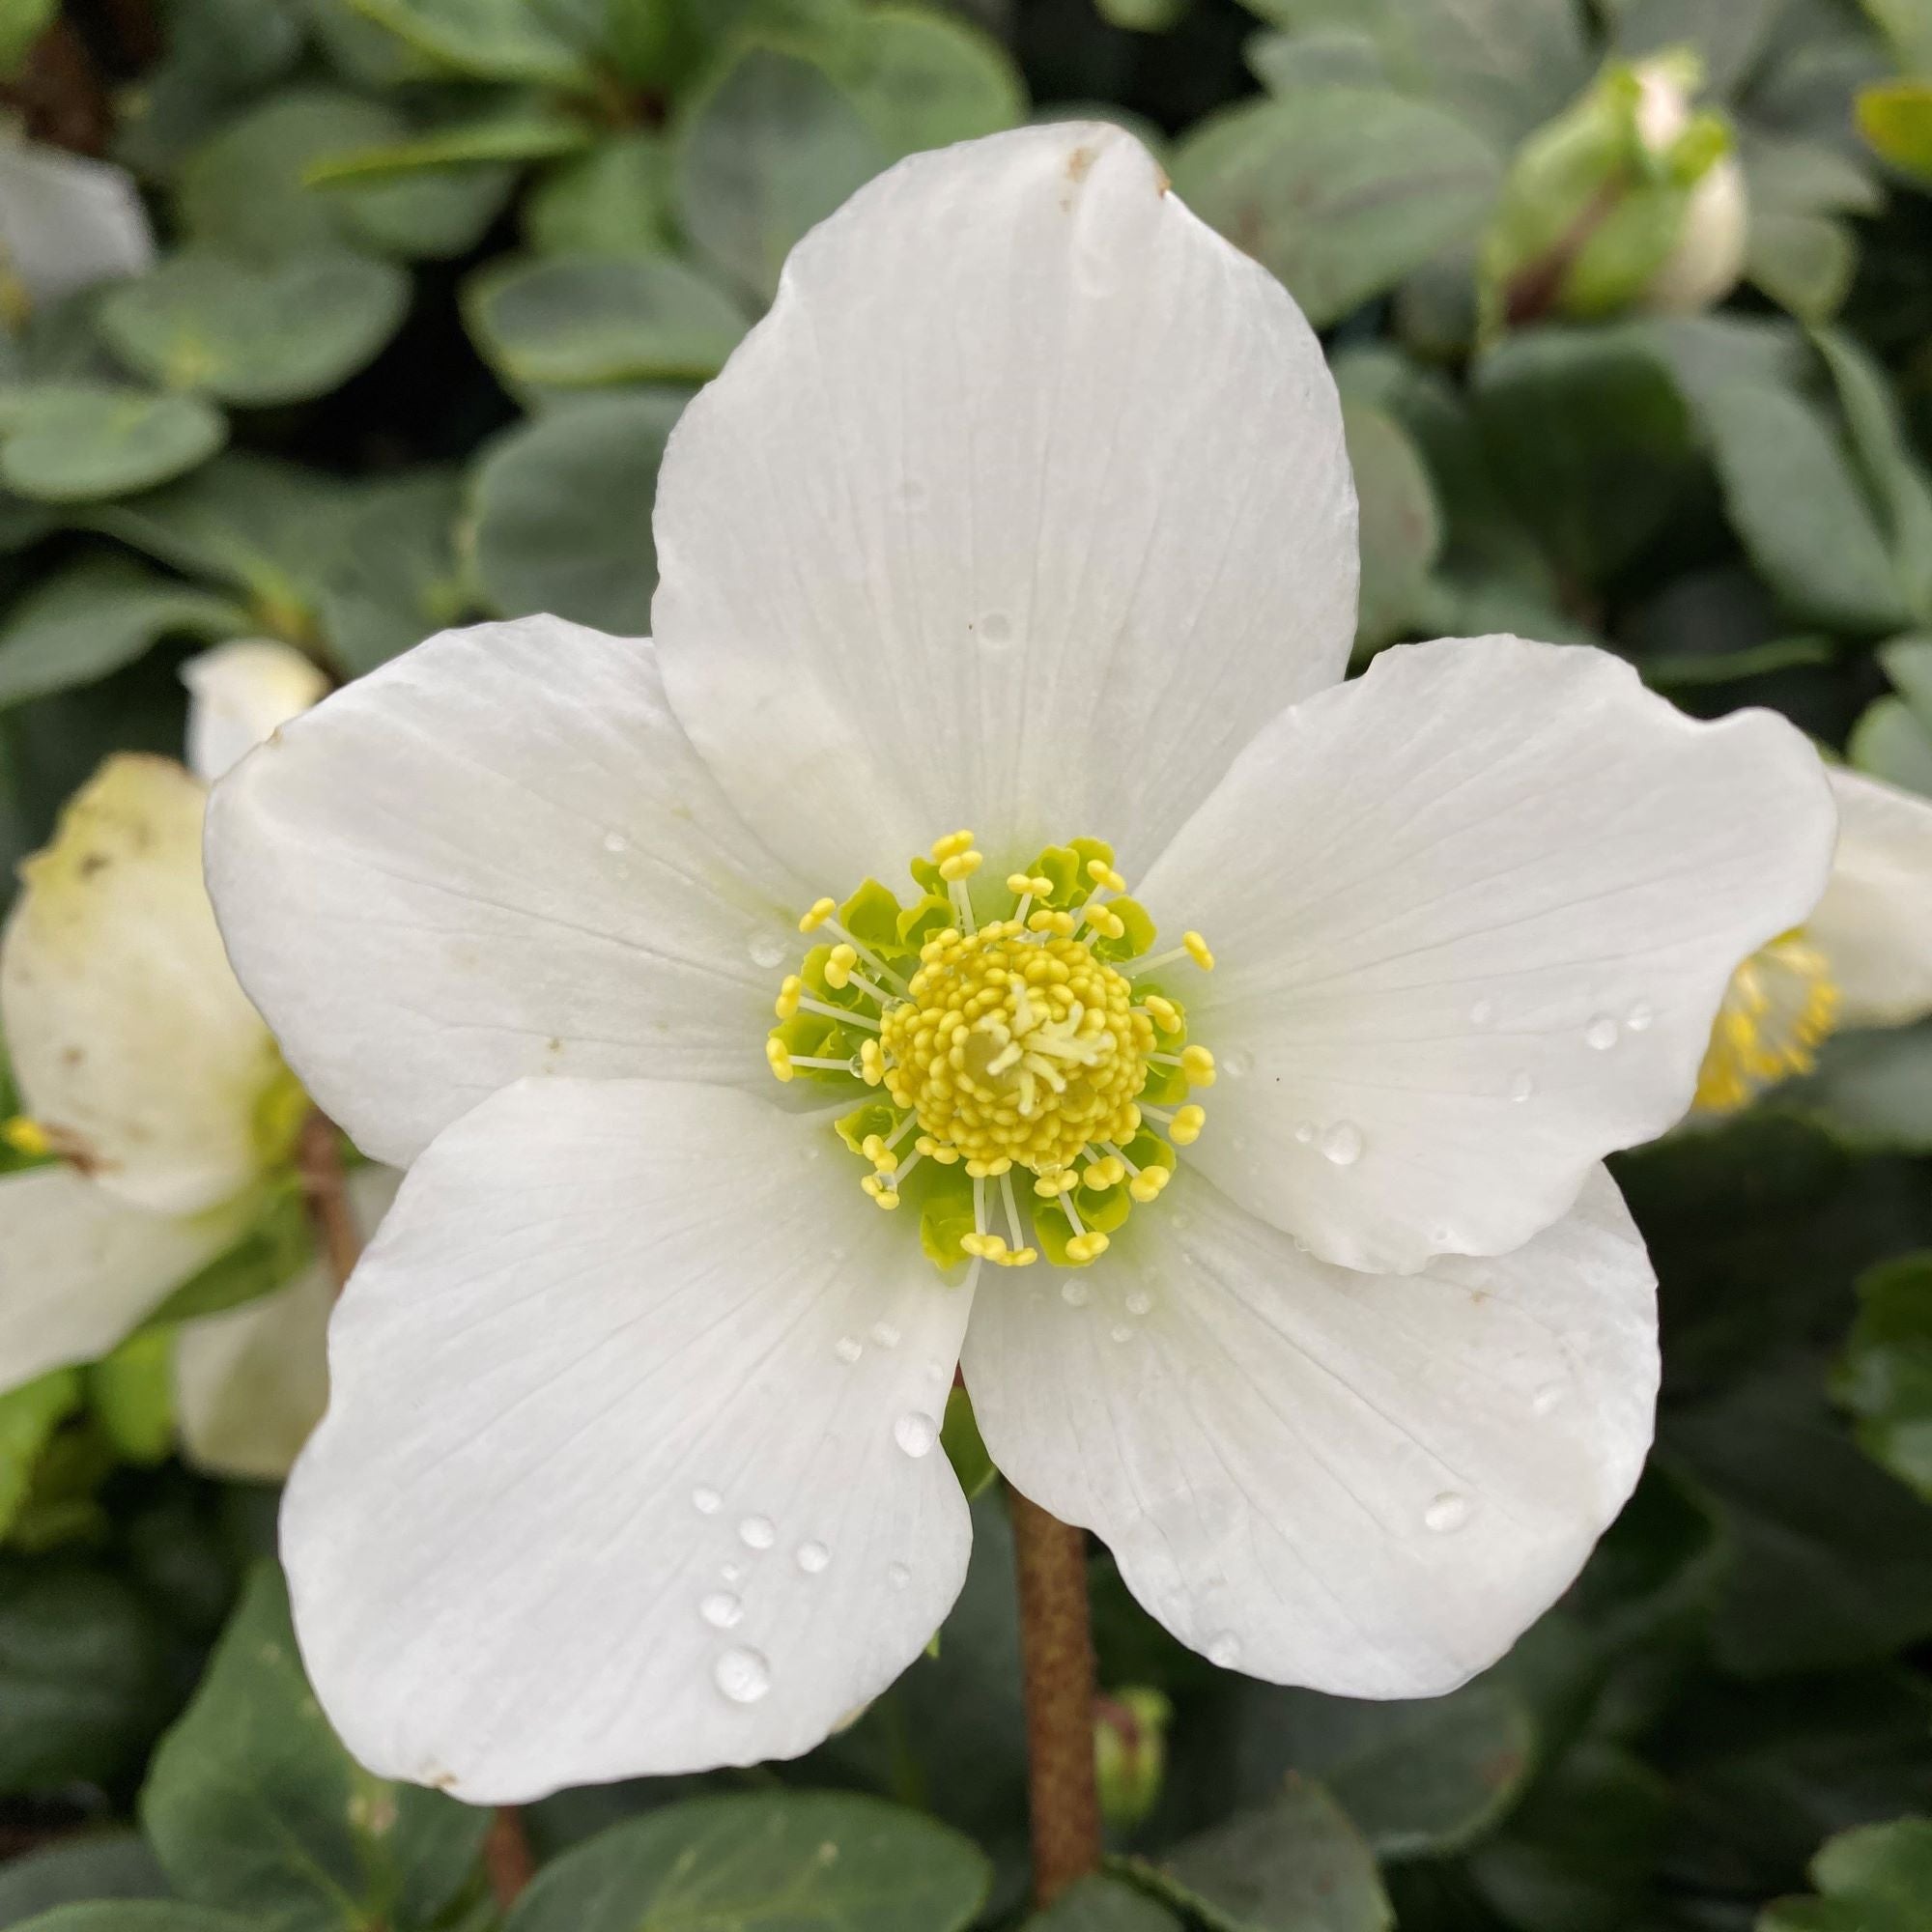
[1021, 1031]
[1781, 1004]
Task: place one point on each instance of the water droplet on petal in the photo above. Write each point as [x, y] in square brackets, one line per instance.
[996, 630]
[813, 1558]
[916, 1432]
[1545, 1399]
[1343, 1143]
[1448, 1511]
[848, 1347]
[1223, 1651]
[1140, 1302]
[884, 1335]
[898, 1575]
[743, 1675]
[705, 1501]
[1121, 1332]
[1075, 1292]
[721, 1610]
[1521, 1084]
[1482, 1013]
[767, 949]
[1641, 1013]
[1304, 1132]
[616, 841]
[1235, 1063]
[756, 1532]
[1600, 1034]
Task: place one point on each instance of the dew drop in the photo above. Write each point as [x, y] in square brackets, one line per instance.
[1600, 1034]
[1140, 1302]
[1447, 1512]
[848, 1347]
[1075, 1292]
[756, 1532]
[813, 1558]
[1304, 1132]
[996, 630]
[1638, 1018]
[1343, 1143]
[1223, 1651]
[743, 1675]
[731, 1572]
[898, 1575]
[1121, 1331]
[1545, 1399]
[705, 1501]
[916, 1432]
[884, 1335]
[616, 841]
[1235, 1063]
[721, 1610]
[767, 949]
[1482, 1013]
[1521, 1084]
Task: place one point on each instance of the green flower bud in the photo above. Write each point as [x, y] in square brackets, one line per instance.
[1130, 1752]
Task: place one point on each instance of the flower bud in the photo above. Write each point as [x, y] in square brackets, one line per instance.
[1130, 1752]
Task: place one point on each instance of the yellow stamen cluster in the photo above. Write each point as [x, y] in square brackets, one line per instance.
[1780, 1006]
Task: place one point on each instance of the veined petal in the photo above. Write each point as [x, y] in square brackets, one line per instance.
[495, 856]
[135, 1050]
[1022, 509]
[1474, 913]
[80, 1269]
[629, 1466]
[237, 694]
[1874, 924]
[251, 1383]
[1367, 1483]
[67, 222]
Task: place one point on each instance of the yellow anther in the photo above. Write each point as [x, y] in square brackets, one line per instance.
[1109, 924]
[1048, 1186]
[1018, 883]
[882, 1196]
[790, 991]
[1086, 1247]
[953, 845]
[871, 1061]
[1198, 1065]
[27, 1137]
[1185, 1129]
[1050, 919]
[1104, 1173]
[1164, 1013]
[1780, 1005]
[961, 865]
[838, 965]
[1196, 951]
[821, 910]
[1103, 874]
[1147, 1183]
[778, 1059]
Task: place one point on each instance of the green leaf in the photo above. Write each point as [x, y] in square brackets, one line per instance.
[1144, 16]
[29, 1416]
[130, 1394]
[921, 80]
[482, 40]
[965, 1447]
[1338, 191]
[770, 147]
[95, 616]
[616, 200]
[1895, 116]
[112, 1864]
[800, 1861]
[1885, 1375]
[1401, 525]
[562, 512]
[1101, 1904]
[1872, 1089]
[1875, 1879]
[1587, 439]
[1727, 35]
[137, 1915]
[1696, 670]
[394, 577]
[81, 1675]
[281, 332]
[1297, 1866]
[254, 1806]
[1804, 262]
[21, 23]
[521, 137]
[580, 320]
[75, 442]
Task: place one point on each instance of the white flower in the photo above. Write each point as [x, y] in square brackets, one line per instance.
[1862, 958]
[66, 223]
[1025, 508]
[159, 1093]
[240, 693]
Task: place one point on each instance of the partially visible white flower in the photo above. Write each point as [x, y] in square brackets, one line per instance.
[66, 223]
[1708, 258]
[1863, 957]
[239, 693]
[1025, 509]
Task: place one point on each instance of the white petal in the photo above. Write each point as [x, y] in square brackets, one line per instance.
[599, 1491]
[1473, 914]
[1875, 921]
[1022, 510]
[237, 694]
[80, 1269]
[132, 1045]
[1367, 1483]
[252, 1384]
[495, 856]
[67, 222]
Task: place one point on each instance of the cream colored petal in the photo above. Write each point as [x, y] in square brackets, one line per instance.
[1874, 924]
[237, 695]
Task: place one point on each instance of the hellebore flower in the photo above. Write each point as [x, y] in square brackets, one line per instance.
[158, 1116]
[1025, 509]
[1861, 958]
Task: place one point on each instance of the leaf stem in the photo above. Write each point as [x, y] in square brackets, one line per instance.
[1057, 1668]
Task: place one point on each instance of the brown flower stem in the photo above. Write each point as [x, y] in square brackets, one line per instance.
[1057, 1667]
[507, 1860]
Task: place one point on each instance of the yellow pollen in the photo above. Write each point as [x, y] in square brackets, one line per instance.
[822, 911]
[1780, 1005]
[1196, 951]
[26, 1137]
